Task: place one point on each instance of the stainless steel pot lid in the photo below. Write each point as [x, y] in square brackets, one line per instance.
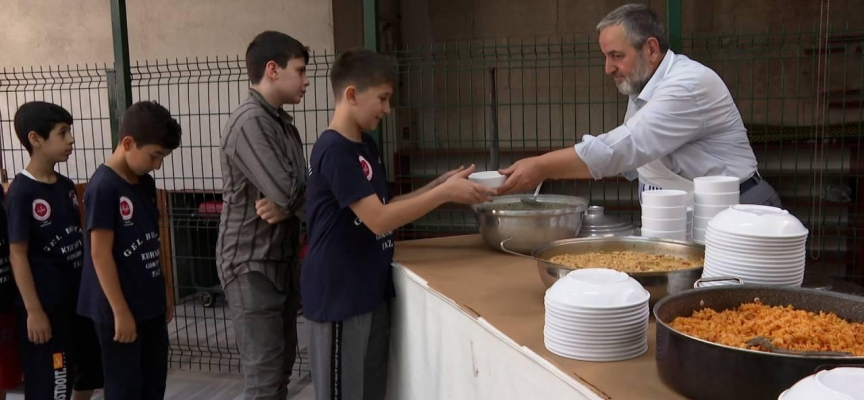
[596, 223]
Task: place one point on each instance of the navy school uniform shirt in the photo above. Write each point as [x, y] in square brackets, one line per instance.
[130, 211]
[347, 270]
[47, 217]
[7, 284]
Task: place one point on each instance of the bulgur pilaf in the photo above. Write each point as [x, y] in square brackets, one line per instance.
[624, 261]
[787, 328]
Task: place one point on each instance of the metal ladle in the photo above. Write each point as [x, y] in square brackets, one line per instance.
[533, 200]
[765, 342]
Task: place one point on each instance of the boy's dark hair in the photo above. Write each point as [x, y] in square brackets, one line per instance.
[40, 117]
[272, 46]
[362, 68]
[149, 123]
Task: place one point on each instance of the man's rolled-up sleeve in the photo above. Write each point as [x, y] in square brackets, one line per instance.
[671, 119]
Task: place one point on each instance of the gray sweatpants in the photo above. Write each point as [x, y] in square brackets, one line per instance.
[761, 194]
[265, 323]
[349, 358]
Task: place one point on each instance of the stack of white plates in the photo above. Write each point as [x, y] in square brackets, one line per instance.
[759, 244]
[711, 195]
[664, 214]
[597, 314]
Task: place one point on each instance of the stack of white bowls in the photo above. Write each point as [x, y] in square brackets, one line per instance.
[711, 195]
[844, 383]
[597, 314]
[758, 244]
[664, 214]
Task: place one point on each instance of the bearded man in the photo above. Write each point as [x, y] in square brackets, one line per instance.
[681, 122]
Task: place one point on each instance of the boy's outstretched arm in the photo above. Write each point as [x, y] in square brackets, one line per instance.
[429, 186]
[102, 244]
[382, 218]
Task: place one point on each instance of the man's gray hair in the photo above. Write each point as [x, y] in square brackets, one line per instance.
[639, 22]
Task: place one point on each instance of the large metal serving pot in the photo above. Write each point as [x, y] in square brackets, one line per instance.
[659, 284]
[529, 226]
[700, 369]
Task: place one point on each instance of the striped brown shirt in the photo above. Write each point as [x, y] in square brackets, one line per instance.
[262, 156]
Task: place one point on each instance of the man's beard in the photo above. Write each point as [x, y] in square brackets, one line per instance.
[637, 79]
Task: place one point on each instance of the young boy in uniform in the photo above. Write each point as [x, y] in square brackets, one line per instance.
[346, 281]
[122, 287]
[59, 349]
[10, 362]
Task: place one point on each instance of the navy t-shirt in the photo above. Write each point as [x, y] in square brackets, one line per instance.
[130, 210]
[347, 271]
[7, 284]
[46, 216]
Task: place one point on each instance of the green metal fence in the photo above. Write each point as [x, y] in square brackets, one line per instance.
[483, 102]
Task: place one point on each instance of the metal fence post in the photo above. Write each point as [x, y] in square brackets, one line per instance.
[121, 77]
[673, 21]
[370, 41]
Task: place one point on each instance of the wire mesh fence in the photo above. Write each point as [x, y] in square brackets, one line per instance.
[484, 102]
[493, 102]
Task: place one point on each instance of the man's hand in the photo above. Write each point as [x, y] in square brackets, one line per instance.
[461, 190]
[169, 313]
[525, 174]
[269, 212]
[38, 327]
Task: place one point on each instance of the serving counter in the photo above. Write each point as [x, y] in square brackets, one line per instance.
[468, 324]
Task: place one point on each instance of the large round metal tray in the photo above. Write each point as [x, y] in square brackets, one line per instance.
[659, 284]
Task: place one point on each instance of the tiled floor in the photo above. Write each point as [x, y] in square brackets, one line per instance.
[203, 339]
[187, 385]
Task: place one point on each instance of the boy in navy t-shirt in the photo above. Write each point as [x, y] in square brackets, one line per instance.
[345, 281]
[10, 362]
[59, 349]
[122, 286]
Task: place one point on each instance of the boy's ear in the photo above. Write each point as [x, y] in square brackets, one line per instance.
[127, 142]
[34, 139]
[350, 94]
[270, 70]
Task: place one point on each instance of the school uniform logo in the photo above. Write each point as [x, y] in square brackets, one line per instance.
[126, 208]
[74, 197]
[41, 210]
[367, 168]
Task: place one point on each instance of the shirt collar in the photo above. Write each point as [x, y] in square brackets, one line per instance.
[658, 76]
[274, 111]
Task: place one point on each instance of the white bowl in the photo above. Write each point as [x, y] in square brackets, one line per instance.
[673, 235]
[664, 212]
[769, 244]
[758, 221]
[708, 211]
[844, 383]
[716, 184]
[665, 198]
[597, 288]
[698, 236]
[652, 224]
[490, 179]
[701, 223]
[773, 243]
[716, 199]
